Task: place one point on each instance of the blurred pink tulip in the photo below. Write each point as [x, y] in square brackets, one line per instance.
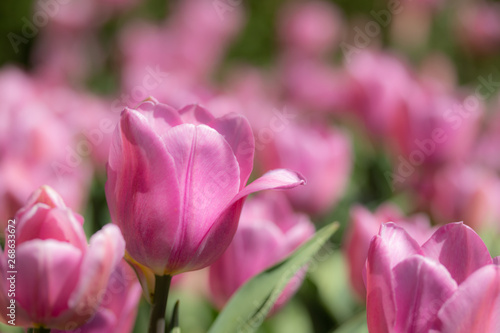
[322, 154]
[269, 230]
[423, 127]
[118, 309]
[39, 142]
[435, 129]
[176, 185]
[381, 85]
[60, 278]
[174, 61]
[449, 284]
[364, 225]
[314, 86]
[478, 27]
[79, 15]
[465, 191]
[311, 28]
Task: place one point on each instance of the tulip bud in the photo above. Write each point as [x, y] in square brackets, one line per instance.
[176, 185]
[449, 284]
[59, 279]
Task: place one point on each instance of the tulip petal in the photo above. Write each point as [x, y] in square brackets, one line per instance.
[195, 114]
[457, 247]
[235, 129]
[421, 286]
[106, 249]
[47, 272]
[387, 249]
[140, 169]
[475, 306]
[161, 117]
[217, 239]
[51, 223]
[259, 241]
[45, 195]
[278, 179]
[209, 179]
[238, 133]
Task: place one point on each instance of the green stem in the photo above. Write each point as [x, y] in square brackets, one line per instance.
[157, 318]
[39, 330]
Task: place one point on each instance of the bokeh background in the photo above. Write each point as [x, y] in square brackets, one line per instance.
[389, 108]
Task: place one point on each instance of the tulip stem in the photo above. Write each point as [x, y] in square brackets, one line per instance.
[157, 319]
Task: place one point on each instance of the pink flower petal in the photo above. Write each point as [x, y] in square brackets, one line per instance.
[391, 246]
[195, 114]
[261, 242]
[209, 179]
[161, 117]
[459, 249]
[140, 169]
[47, 272]
[475, 306]
[106, 249]
[237, 131]
[42, 222]
[219, 236]
[421, 287]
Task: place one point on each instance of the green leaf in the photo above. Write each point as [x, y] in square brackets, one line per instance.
[335, 293]
[248, 308]
[355, 325]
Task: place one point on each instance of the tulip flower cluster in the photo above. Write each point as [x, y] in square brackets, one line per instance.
[212, 145]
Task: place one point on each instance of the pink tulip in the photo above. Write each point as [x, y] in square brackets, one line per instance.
[39, 141]
[118, 309]
[484, 151]
[478, 27]
[60, 278]
[364, 225]
[381, 85]
[458, 190]
[326, 167]
[176, 185]
[310, 28]
[449, 284]
[312, 85]
[269, 230]
[175, 60]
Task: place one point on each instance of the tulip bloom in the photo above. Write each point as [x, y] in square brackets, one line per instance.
[311, 28]
[449, 284]
[458, 190]
[118, 308]
[364, 225]
[176, 185]
[59, 276]
[269, 230]
[321, 154]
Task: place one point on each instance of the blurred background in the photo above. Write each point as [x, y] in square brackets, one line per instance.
[389, 108]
